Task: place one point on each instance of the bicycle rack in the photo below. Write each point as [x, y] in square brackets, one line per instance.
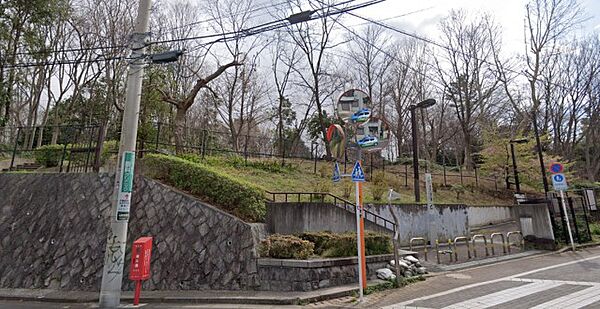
[414, 239]
[515, 233]
[466, 240]
[438, 251]
[487, 253]
[492, 242]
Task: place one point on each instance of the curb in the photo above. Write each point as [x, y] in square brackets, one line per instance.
[276, 299]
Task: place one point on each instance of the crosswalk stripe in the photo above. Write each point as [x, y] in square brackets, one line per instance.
[573, 301]
[504, 295]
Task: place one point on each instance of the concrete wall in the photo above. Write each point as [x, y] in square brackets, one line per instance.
[484, 215]
[53, 230]
[540, 219]
[292, 218]
[449, 221]
[297, 275]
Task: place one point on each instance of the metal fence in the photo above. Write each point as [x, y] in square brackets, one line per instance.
[76, 148]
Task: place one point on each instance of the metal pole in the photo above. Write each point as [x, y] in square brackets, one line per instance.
[157, 136]
[358, 241]
[515, 170]
[112, 274]
[415, 155]
[562, 197]
[315, 165]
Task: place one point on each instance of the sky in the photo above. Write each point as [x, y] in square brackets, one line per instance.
[424, 16]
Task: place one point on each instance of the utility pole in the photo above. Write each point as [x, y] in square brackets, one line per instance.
[112, 274]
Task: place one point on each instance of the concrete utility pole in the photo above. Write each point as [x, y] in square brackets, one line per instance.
[112, 274]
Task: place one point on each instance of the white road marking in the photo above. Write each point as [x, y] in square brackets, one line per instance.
[406, 304]
[573, 301]
[504, 296]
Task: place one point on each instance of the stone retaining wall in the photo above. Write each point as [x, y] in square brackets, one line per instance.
[307, 275]
[53, 230]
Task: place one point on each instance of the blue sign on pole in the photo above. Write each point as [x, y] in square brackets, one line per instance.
[357, 173]
[559, 181]
[556, 168]
[336, 173]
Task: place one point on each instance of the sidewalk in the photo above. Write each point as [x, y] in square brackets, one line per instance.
[192, 297]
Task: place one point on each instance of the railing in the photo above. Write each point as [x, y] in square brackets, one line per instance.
[501, 239]
[324, 197]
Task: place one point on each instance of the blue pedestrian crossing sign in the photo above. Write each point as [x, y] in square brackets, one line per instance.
[559, 181]
[336, 173]
[357, 173]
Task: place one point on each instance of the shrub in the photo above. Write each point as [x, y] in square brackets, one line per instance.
[379, 186]
[595, 228]
[109, 149]
[319, 239]
[329, 244]
[49, 155]
[458, 189]
[323, 186]
[267, 165]
[286, 247]
[236, 196]
[324, 171]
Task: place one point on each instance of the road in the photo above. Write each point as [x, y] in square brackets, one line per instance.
[568, 280]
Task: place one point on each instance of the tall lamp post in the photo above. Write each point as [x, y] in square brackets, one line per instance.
[514, 161]
[422, 105]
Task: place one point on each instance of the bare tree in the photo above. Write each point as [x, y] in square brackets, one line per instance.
[466, 71]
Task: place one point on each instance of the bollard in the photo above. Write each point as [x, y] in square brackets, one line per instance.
[487, 253]
[492, 242]
[466, 240]
[410, 243]
[515, 233]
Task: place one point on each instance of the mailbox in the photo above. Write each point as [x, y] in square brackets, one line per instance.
[140, 259]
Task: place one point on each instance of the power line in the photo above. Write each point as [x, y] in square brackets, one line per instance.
[222, 37]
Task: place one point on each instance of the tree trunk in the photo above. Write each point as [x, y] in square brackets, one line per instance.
[179, 129]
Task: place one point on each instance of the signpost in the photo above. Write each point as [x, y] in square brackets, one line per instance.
[430, 209]
[358, 177]
[559, 181]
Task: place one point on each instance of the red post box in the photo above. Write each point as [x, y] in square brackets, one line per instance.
[141, 252]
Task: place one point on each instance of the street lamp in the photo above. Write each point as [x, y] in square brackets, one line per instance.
[514, 161]
[422, 105]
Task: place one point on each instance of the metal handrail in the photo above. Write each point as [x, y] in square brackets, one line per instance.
[466, 240]
[514, 233]
[492, 242]
[337, 201]
[487, 253]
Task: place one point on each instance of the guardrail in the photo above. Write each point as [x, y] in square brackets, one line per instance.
[521, 243]
[424, 243]
[324, 197]
[487, 253]
[492, 242]
[466, 240]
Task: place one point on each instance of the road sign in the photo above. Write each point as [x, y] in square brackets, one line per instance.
[357, 173]
[559, 181]
[336, 173]
[556, 168]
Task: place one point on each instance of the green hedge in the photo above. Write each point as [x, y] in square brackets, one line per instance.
[329, 244]
[286, 247]
[48, 155]
[234, 195]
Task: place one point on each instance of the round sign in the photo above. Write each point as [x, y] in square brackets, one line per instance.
[558, 178]
[354, 103]
[556, 168]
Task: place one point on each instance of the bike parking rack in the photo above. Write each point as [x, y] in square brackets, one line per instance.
[492, 242]
[438, 251]
[515, 233]
[466, 240]
[421, 239]
[487, 253]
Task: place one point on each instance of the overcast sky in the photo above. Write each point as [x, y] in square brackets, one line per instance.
[424, 16]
